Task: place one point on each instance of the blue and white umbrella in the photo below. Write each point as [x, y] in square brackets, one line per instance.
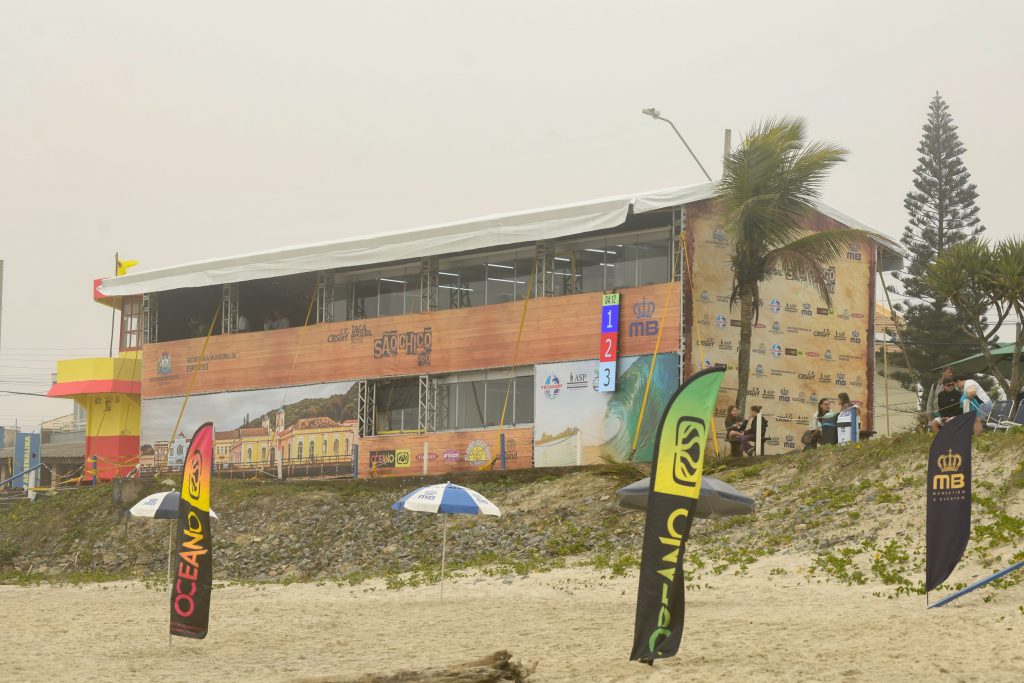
[447, 499]
[162, 505]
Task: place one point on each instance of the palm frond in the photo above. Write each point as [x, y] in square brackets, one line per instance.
[802, 264]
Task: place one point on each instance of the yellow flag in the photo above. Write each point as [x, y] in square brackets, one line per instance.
[123, 266]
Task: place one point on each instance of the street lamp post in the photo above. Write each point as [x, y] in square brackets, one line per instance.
[655, 114]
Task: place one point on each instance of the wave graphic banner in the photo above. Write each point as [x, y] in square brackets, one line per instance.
[676, 471]
[193, 568]
[948, 511]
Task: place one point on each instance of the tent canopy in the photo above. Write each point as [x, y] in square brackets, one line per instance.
[446, 238]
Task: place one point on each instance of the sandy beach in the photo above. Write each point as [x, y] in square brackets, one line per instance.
[575, 624]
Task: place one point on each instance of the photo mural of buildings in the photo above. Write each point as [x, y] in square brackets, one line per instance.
[802, 349]
[575, 424]
[304, 424]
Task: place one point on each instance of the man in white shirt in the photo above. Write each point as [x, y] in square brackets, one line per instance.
[979, 400]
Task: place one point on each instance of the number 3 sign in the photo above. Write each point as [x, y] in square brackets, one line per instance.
[609, 351]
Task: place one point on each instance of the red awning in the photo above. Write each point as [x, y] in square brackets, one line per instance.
[95, 386]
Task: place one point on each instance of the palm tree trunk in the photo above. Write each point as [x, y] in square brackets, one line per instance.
[743, 362]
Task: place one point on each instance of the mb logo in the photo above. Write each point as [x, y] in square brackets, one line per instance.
[950, 478]
[645, 325]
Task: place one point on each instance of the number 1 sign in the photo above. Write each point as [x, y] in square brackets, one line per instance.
[609, 352]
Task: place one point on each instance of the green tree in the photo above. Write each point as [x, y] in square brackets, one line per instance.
[980, 280]
[941, 213]
[768, 188]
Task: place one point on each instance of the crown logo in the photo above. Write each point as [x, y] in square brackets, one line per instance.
[950, 462]
[644, 309]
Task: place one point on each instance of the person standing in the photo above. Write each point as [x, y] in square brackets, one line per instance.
[979, 400]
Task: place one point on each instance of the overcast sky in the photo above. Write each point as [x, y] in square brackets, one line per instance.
[170, 132]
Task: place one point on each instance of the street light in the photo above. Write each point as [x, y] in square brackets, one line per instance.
[655, 114]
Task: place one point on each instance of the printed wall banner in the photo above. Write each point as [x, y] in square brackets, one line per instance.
[556, 328]
[258, 428]
[801, 349]
[193, 564]
[578, 425]
[609, 351]
[948, 510]
[676, 474]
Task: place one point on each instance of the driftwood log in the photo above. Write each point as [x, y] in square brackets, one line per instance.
[493, 668]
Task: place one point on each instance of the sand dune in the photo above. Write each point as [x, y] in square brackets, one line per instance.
[574, 623]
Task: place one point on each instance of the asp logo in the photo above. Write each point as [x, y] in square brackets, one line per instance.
[678, 467]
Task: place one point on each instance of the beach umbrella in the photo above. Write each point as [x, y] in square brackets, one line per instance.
[163, 505]
[1002, 356]
[446, 499]
[717, 499]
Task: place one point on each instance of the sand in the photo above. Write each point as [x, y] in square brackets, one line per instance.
[576, 624]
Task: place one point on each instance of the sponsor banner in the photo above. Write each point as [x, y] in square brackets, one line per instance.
[577, 424]
[948, 514]
[436, 342]
[801, 348]
[391, 455]
[193, 560]
[676, 473]
[27, 448]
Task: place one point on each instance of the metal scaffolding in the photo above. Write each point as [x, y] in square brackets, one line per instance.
[428, 284]
[325, 296]
[366, 401]
[229, 308]
[427, 414]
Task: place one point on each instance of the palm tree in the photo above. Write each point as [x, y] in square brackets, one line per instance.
[768, 187]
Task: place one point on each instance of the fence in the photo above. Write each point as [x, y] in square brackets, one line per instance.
[326, 467]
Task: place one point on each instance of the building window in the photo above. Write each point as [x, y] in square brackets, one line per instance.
[337, 447]
[397, 405]
[613, 262]
[312, 449]
[371, 295]
[298, 451]
[263, 454]
[249, 455]
[324, 450]
[131, 322]
[476, 400]
[347, 450]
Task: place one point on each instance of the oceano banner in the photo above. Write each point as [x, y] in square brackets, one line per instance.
[193, 560]
[676, 473]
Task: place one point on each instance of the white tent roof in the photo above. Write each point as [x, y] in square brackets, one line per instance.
[433, 240]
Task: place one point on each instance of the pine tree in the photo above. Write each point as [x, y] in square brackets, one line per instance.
[941, 205]
[942, 213]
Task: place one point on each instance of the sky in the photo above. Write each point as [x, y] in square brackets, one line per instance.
[172, 132]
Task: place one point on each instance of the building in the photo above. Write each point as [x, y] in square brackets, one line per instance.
[474, 343]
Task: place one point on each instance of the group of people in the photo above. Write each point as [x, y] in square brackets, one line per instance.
[741, 433]
[946, 401]
[277, 321]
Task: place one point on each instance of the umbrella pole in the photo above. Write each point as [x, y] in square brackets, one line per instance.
[170, 565]
[444, 543]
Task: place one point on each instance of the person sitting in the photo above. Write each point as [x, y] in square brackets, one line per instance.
[812, 437]
[749, 437]
[734, 430]
[979, 400]
[280, 320]
[243, 323]
[948, 404]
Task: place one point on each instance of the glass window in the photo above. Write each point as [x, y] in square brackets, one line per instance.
[312, 449]
[342, 301]
[298, 451]
[562, 277]
[397, 407]
[589, 265]
[337, 447]
[524, 400]
[621, 265]
[131, 313]
[364, 299]
[653, 258]
[472, 399]
[461, 284]
[392, 296]
[496, 391]
[501, 281]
